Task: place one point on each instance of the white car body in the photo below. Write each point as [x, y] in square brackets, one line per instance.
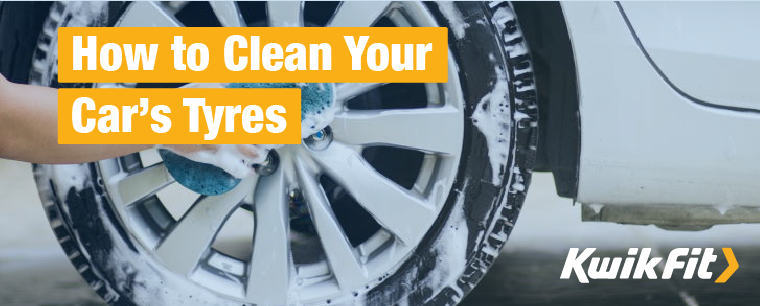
[668, 101]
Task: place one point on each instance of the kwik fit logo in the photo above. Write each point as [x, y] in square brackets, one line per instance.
[691, 261]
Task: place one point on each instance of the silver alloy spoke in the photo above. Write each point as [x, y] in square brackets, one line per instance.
[270, 266]
[143, 183]
[358, 13]
[175, 6]
[285, 13]
[228, 13]
[347, 91]
[396, 209]
[435, 130]
[340, 254]
[184, 246]
[148, 14]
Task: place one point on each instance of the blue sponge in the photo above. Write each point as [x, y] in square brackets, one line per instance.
[205, 179]
[209, 180]
[315, 97]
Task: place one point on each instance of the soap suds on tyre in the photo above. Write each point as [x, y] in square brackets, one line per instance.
[492, 117]
[144, 278]
[456, 23]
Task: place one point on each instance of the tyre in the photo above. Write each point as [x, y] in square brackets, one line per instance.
[407, 202]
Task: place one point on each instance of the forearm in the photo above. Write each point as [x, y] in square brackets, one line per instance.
[28, 129]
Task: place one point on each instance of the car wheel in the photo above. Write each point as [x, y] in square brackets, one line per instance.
[407, 202]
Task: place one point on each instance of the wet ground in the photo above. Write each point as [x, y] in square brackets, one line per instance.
[35, 272]
[532, 278]
[517, 278]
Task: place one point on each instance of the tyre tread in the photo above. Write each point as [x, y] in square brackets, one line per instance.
[521, 76]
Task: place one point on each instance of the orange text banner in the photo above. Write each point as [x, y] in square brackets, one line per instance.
[227, 54]
[179, 116]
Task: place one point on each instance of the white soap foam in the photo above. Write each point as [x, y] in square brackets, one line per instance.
[492, 118]
[456, 22]
[232, 160]
[68, 176]
[313, 123]
[230, 157]
[451, 247]
[141, 276]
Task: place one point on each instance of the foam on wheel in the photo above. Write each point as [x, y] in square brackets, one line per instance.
[482, 189]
